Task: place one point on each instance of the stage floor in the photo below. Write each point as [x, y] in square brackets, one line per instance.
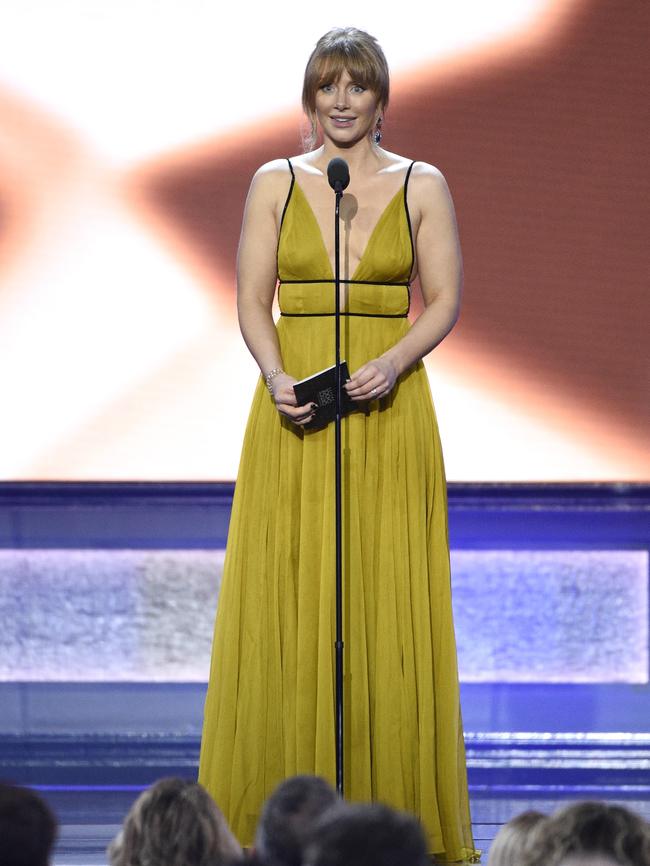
[91, 818]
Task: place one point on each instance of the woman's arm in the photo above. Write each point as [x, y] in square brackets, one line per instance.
[440, 271]
[257, 268]
[256, 281]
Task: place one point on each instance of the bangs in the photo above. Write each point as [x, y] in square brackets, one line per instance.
[331, 68]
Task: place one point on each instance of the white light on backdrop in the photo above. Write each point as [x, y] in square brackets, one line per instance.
[84, 334]
[135, 78]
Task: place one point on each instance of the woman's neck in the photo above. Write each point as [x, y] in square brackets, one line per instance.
[363, 158]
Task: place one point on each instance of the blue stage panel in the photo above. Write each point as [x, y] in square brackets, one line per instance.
[104, 616]
[143, 615]
[188, 515]
[564, 616]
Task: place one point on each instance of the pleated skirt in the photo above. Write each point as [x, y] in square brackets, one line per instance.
[269, 710]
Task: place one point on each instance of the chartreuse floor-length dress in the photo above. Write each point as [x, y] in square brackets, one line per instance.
[269, 710]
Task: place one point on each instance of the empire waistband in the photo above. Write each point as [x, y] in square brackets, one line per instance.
[364, 315]
[405, 285]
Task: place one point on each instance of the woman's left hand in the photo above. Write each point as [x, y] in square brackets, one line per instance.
[372, 381]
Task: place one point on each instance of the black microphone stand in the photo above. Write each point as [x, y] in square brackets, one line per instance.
[338, 190]
[338, 176]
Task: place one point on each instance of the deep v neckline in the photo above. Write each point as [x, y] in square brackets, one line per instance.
[321, 237]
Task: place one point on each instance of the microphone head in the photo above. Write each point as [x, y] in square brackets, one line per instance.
[338, 174]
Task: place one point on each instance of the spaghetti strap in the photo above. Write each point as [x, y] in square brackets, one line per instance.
[286, 204]
[408, 215]
[408, 175]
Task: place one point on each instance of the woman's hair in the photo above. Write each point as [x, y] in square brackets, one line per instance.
[174, 823]
[344, 49]
[289, 816]
[366, 835]
[589, 830]
[27, 827]
[512, 839]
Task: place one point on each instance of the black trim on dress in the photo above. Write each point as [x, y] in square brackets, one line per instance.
[355, 282]
[406, 284]
[286, 204]
[408, 215]
[363, 315]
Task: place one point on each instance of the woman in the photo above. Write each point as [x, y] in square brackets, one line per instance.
[270, 702]
[174, 823]
[589, 834]
[511, 842]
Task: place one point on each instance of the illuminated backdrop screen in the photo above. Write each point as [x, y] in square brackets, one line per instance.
[128, 135]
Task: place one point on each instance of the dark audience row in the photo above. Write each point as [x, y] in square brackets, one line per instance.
[176, 823]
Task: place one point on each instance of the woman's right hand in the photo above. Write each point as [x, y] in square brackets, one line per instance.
[285, 400]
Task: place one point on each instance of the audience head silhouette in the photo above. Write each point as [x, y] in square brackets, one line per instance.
[27, 827]
[288, 819]
[590, 834]
[367, 836]
[512, 839]
[174, 823]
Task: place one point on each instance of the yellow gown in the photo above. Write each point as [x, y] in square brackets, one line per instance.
[269, 710]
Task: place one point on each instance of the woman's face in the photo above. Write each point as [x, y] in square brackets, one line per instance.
[346, 111]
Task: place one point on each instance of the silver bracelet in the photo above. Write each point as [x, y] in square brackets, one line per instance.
[271, 376]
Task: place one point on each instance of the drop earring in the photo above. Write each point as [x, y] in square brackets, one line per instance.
[376, 135]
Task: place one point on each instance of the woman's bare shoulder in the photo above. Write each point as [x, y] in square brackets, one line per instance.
[428, 185]
[428, 176]
[276, 168]
[270, 182]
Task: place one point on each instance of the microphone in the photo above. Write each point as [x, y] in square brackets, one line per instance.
[338, 174]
